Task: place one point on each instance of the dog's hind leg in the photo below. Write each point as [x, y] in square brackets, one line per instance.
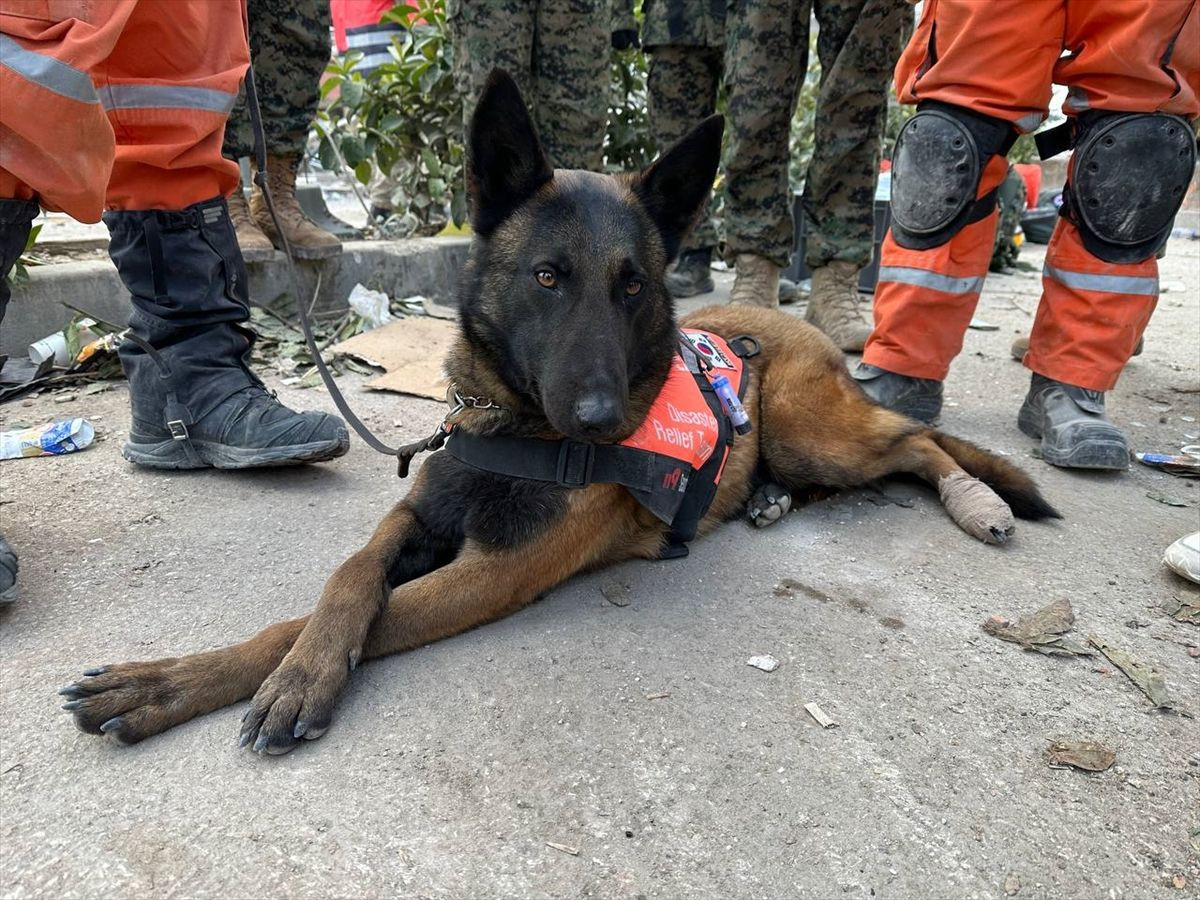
[131, 701]
[819, 428]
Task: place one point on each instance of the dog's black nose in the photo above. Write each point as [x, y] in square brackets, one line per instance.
[597, 413]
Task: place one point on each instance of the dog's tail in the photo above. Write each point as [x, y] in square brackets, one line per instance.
[1013, 485]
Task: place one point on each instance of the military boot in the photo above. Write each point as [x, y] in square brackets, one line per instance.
[917, 398]
[834, 306]
[255, 245]
[307, 240]
[8, 573]
[1070, 421]
[756, 282]
[692, 275]
[195, 401]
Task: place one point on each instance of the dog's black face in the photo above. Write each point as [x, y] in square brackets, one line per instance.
[564, 293]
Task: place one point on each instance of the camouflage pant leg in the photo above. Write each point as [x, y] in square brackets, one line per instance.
[572, 58]
[289, 46]
[858, 44]
[487, 34]
[682, 90]
[766, 59]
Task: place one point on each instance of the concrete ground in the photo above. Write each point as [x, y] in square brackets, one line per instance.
[635, 736]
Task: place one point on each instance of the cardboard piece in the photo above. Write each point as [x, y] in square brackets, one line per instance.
[412, 350]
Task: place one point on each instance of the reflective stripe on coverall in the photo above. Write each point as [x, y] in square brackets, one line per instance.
[118, 104]
[999, 58]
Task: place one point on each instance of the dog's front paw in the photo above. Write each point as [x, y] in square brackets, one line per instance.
[295, 702]
[131, 701]
[768, 505]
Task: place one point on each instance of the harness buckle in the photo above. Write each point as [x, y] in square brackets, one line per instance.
[178, 429]
[575, 463]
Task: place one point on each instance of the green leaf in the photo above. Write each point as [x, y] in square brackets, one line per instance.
[354, 149]
[432, 165]
[458, 207]
[352, 93]
[363, 171]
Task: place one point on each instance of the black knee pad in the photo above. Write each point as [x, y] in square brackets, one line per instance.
[1129, 178]
[939, 158]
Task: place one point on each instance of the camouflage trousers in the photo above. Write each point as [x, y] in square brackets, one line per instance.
[557, 51]
[682, 90]
[289, 48]
[858, 44]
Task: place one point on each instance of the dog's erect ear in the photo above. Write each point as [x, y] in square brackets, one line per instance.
[505, 162]
[676, 185]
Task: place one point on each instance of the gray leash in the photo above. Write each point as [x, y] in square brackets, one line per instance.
[405, 453]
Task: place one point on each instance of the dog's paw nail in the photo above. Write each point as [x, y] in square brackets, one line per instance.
[353, 658]
[94, 671]
[72, 691]
[245, 737]
[112, 725]
[73, 705]
[298, 731]
[261, 744]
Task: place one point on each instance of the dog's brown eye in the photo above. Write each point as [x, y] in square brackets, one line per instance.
[633, 287]
[545, 278]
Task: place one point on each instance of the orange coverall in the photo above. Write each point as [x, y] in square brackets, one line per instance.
[118, 104]
[999, 58]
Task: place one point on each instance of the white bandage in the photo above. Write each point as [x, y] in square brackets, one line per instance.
[977, 509]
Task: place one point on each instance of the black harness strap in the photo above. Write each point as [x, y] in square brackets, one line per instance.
[569, 463]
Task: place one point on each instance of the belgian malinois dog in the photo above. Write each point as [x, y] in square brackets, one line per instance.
[567, 330]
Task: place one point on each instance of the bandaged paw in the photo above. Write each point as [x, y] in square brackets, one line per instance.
[977, 509]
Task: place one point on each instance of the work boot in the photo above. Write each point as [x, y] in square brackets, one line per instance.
[1070, 421]
[255, 245]
[692, 274]
[834, 306]
[8, 573]
[917, 398]
[16, 221]
[1020, 346]
[195, 401]
[307, 240]
[756, 282]
[789, 292]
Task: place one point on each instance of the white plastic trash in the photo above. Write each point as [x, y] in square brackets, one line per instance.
[51, 439]
[371, 305]
[1183, 557]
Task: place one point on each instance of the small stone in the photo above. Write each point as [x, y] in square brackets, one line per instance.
[1012, 884]
[766, 662]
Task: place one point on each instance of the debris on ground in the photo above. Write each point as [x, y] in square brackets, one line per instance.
[1012, 885]
[1185, 609]
[1148, 679]
[978, 324]
[84, 352]
[766, 662]
[1159, 497]
[410, 351]
[788, 587]
[658, 695]
[50, 439]
[1185, 464]
[1085, 755]
[372, 306]
[1044, 631]
[434, 309]
[819, 715]
[563, 848]
[616, 593]
[1183, 558]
